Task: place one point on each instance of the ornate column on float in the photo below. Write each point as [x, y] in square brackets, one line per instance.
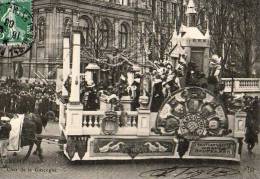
[239, 128]
[65, 73]
[74, 112]
[239, 124]
[126, 102]
[207, 51]
[144, 113]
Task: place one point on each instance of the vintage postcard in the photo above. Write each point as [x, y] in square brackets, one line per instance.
[134, 89]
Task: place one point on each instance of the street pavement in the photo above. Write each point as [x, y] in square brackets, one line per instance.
[56, 165]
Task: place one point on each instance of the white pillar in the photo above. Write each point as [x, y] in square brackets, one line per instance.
[75, 84]
[74, 108]
[74, 119]
[240, 122]
[144, 116]
[66, 63]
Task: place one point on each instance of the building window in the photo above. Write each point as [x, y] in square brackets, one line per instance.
[86, 29]
[163, 11]
[41, 30]
[104, 35]
[173, 13]
[123, 36]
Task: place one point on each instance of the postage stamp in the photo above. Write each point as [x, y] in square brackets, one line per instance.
[16, 27]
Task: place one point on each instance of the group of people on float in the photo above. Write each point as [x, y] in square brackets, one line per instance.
[164, 77]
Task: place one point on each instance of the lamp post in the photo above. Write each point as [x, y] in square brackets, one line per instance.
[92, 73]
[232, 70]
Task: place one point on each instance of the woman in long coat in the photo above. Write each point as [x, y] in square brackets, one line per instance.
[157, 96]
[251, 136]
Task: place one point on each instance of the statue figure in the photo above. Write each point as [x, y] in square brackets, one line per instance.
[146, 90]
[41, 31]
[67, 25]
[214, 72]
[215, 68]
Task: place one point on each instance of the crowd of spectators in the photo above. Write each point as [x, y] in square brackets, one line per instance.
[24, 97]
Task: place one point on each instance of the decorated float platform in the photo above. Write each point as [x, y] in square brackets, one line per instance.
[191, 124]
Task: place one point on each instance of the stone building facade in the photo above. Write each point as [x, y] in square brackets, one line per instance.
[107, 26]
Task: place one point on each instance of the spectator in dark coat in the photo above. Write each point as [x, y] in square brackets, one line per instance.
[256, 110]
[251, 136]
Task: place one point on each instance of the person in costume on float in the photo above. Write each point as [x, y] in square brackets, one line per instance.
[121, 87]
[5, 128]
[169, 70]
[92, 101]
[157, 96]
[170, 85]
[135, 92]
[203, 82]
[191, 76]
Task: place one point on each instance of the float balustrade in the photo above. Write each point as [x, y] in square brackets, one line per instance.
[91, 123]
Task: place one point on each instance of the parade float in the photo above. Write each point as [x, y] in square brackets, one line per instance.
[190, 124]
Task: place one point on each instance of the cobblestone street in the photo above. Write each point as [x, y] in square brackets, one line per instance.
[56, 165]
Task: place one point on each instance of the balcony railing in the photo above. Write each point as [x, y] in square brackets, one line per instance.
[242, 85]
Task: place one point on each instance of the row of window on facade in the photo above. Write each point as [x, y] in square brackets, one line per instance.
[102, 38]
[163, 4]
[168, 11]
[143, 3]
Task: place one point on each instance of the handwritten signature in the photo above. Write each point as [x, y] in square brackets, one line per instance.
[203, 172]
